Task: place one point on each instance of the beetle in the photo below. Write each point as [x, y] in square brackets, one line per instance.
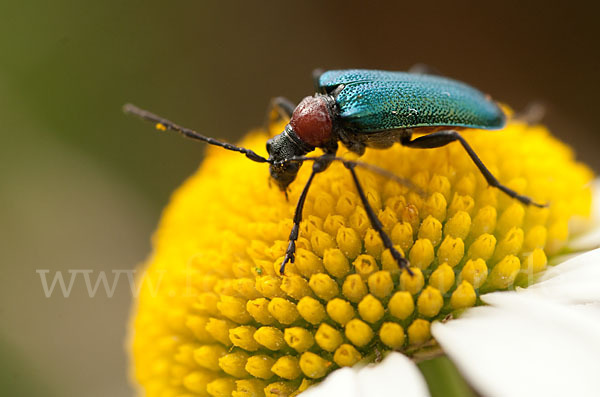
[363, 108]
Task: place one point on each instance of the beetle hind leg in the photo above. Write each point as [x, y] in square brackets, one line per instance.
[423, 68]
[532, 114]
[444, 137]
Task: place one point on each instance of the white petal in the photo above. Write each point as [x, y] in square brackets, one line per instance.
[588, 240]
[343, 382]
[525, 346]
[596, 201]
[395, 376]
[576, 281]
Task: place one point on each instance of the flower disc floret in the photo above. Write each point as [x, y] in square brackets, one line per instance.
[215, 317]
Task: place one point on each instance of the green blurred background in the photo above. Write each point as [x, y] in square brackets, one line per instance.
[82, 186]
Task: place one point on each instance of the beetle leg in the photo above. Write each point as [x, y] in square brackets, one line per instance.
[279, 108]
[319, 165]
[352, 143]
[532, 114]
[376, 223]
[370, 167]
[423, 68]
[442, 138]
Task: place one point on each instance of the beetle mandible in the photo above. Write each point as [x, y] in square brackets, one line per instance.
[365, 108]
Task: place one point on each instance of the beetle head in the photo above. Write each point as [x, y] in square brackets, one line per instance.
[282, 148]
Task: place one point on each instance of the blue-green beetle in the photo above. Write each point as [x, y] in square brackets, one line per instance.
[366, 108]
[373, 108]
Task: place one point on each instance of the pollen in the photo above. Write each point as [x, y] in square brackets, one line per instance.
[215, 318]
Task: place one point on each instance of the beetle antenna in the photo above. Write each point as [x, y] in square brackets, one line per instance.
[354, 163]
[163, 124]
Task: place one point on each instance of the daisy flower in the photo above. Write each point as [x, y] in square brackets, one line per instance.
[215, 318]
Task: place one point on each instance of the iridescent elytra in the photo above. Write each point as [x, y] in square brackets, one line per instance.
[365, 108]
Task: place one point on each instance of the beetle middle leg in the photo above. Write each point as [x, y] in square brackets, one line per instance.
[319, 165]
[444, 137]
[376, 223]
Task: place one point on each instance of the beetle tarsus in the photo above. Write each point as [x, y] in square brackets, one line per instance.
[289, 256]
[402, 261]
[376, 223]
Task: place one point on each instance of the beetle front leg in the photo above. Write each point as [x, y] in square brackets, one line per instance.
[283, 108]
[442, 138]
[318, 166]
[376, 223]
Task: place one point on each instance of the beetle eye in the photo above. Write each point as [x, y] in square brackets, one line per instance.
[269, 146]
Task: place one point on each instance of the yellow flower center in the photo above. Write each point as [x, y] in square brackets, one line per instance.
[214, 316]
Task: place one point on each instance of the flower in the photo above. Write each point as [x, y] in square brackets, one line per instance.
[214, 317]
[542, 340]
